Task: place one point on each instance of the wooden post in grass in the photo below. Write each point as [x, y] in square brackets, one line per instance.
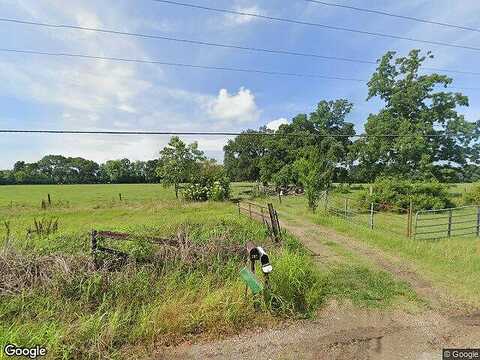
[49, 200]
[345, 206]
[238, 203]
[94, 247]
[120, 196]
[326, 200]
[449, 233]
[478, 220]
[274, 222]
[371, 215]
[250, 210]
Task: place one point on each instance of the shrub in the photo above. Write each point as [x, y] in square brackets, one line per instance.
[210, 184]
[473, 196]
[389, 192]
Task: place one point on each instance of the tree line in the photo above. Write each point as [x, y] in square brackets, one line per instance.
[417, 135]
[58, 169]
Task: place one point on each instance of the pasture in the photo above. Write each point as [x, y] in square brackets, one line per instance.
[50, 293]
[445, 261]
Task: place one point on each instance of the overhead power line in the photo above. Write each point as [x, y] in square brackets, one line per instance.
[200, 133]
[195, 66]
[385, 13]
[218, 45]
[318, 25]
[186, 65]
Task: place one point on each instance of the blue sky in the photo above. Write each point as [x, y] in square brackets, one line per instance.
[39, 92]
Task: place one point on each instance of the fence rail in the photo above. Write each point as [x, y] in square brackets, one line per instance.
[267, 214]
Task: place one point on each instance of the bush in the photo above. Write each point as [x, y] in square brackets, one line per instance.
[210, 184]
[473, 196]
[394, 192]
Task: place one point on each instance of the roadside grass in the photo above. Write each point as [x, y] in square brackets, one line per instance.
[51, 295]
[452, 263]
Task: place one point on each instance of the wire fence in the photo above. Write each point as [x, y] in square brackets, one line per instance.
[390, 218]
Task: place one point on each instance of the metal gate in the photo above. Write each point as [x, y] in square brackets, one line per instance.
[446, 223]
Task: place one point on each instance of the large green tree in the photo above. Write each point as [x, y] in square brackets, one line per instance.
[179, 163]
[243, 154]
[323, 128]
[425, 131]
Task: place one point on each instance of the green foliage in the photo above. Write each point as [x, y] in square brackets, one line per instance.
[295, 285]
[414, 111]
[316, 170]
[210, 183]
[472, 197]
[390, 191]
[179, 163]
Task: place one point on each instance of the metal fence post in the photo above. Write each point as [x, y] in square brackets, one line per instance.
[449, 233]
[371, 216]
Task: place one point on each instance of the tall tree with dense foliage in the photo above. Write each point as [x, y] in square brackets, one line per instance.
[243, 154]
[292, 141]
[179, 163]
[426, 131]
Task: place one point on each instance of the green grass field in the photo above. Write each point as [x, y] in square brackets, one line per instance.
[452, 263]
[51, 295]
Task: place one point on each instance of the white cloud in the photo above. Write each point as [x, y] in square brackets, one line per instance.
[240, 107]
[235, 19]
[275, 124]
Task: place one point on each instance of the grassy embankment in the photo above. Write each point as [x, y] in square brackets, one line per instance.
[51, 295]
[451, 263]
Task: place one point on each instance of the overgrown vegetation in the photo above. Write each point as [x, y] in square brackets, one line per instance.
[391, 193]
[472, 197]
[52, 295]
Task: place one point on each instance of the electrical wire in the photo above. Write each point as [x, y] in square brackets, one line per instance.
[385, 13]
[318, 25]
[218, 45]
[202, 133]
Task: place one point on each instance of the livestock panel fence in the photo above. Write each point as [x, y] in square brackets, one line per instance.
[446, 223]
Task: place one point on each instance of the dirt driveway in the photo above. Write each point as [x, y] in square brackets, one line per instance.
[346, 332]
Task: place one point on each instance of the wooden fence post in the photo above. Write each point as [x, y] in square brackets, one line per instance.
[238, 203]
[94, 247]
[273, 221]
[49, 199]
[120, 196]
[250, 210]
[345, 206]
[478, 220]
[371, 216]
[449, 223]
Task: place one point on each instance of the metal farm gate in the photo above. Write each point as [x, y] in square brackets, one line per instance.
[445, 223]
